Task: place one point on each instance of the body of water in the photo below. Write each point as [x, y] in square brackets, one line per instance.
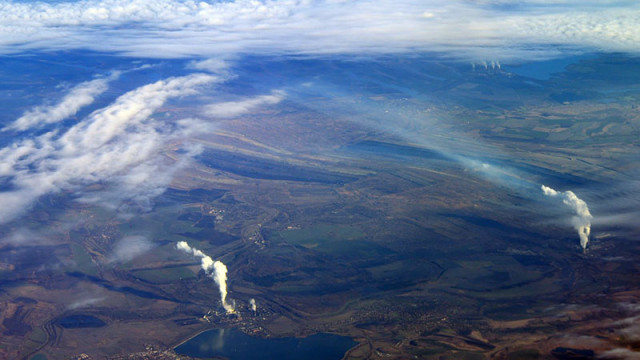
[236, 345]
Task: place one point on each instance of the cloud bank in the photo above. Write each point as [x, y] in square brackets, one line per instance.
[504, 30]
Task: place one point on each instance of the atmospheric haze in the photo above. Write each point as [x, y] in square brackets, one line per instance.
[214, 269]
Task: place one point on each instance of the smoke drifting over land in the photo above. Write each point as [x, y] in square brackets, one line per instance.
[214, 269]
[582, 220]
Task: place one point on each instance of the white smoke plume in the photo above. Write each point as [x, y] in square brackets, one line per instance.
[582, 220]
[214, 269]
[252, 305]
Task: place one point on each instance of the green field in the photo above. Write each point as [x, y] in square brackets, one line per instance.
[164, 276]
[337, 240]
[82, 261]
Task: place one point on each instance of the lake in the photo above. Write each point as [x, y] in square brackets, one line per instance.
[236, 345]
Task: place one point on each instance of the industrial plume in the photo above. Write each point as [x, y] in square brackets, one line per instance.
[214, 269]
[252, 305]
[582, 220]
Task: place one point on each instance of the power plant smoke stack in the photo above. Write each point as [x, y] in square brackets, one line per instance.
[214, 269]
[582, 220]
[252, 305]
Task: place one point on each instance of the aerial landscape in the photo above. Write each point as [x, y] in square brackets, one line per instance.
[319, 179]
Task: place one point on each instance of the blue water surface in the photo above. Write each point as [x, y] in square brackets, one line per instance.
[236, 345]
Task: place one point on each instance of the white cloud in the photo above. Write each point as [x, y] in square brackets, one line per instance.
[130, 247]
[120, 145]
[21, 236]
[215, 65]
[471, 29]
[236, 108]
[620, 354]
[85, 302]
[79, 96]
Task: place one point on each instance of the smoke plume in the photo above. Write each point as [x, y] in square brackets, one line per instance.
[252, 305]
[582, 220]
[214, 269]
